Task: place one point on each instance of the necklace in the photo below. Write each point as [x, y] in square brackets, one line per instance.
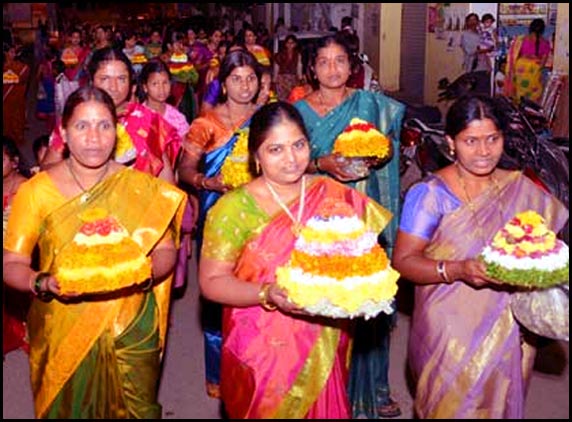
[231, 120]
[471, 205]
[86, 194]
[326, 108]
[296, 222]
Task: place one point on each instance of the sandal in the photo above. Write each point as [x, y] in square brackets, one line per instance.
[389, 410]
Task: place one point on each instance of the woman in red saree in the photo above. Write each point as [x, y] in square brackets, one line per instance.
[277, 361]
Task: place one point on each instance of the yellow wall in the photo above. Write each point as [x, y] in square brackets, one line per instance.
[562, 42]
[444, 58]
[389, 46]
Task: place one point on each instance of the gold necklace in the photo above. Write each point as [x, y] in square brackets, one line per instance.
[479, 229]
[296, 222]
[86, 194]
[327, 109]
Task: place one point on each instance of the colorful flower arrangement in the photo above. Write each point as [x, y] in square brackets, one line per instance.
[337, 269]
[362, 139]
[525, 252]
[101, 258]
[235, 169]
[182, 69]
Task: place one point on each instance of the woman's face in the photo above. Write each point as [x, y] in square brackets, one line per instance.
[332, 66]
[285, 154]
[242, 84]
[113, 77]
[90, 134]
[8, 164]
[249, 38]
[158, 87]
[479, 147]
[216, 38]
[75, 39]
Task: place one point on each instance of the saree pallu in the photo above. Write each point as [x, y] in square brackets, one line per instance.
[464, 345]
[528, 79]
[277, 365]
[70, 343]
[369, 384]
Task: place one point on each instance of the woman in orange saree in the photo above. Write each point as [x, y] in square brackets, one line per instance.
[283, 364]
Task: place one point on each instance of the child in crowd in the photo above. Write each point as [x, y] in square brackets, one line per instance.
[488, 38]
[63, 86]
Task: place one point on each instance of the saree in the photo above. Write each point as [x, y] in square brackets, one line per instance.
[108, 366]
[277, 365]
[524, 70]
[210, 134]
[468, 363]
[369, 383]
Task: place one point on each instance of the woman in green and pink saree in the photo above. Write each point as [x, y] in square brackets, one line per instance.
[277, 360]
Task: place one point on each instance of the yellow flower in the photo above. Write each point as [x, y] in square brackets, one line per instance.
[235, 170]
[93, 214]
[362, 139]
[530, 217]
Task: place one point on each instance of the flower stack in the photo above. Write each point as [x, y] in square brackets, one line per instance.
[525, 252]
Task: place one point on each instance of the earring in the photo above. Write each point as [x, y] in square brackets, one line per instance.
[257, 164]
[223, 90]
[452, 151]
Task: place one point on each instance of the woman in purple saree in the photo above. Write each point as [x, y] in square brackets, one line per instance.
[466, 350]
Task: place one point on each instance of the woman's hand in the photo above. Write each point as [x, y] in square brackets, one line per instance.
[344, 169]
[215, 183]
[473, 272]
[276, 295]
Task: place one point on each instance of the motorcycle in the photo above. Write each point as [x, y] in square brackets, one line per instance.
[424, 150]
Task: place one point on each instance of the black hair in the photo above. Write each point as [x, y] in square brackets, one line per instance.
[83, 95]
[234, 59]
[40, 142]
[266, 118]
[487, 16]
[155, 65]
[108, 54]
[469, 108]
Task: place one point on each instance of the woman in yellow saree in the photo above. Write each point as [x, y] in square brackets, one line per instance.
[97, 355]
[283, 364]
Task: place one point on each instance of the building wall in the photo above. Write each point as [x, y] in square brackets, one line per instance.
[562, 40]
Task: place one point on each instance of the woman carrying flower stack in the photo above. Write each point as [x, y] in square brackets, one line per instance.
[215, 160]
[328, 112]
[94, 355]
[278, 361]
[468, 355]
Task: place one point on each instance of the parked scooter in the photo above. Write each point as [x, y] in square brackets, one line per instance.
[425, 150]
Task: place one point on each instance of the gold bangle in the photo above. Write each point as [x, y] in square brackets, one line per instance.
[317, 164]
[442, 271]
[203, 183]
[263, 298]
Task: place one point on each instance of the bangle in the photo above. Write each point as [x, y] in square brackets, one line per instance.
[317, 164]
[442, 271]
[203, 183]
[263, 298]
[43, 295]
[147, 284]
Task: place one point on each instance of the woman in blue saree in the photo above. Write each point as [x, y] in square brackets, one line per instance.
[209, 142]
[327, 111]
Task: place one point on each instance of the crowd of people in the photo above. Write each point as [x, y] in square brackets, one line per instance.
[143, 125]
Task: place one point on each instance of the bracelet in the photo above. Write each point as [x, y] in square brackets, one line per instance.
[263, 298]
[442, 271]
[43, 295]
[203, 183]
